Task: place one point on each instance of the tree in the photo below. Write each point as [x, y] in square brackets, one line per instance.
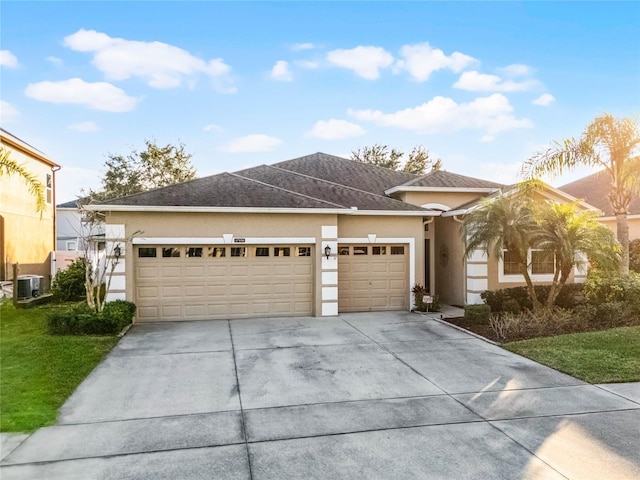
[8, 166]
[572, 236]
[504, 222]
[141, 171]
[607, 142]
[418, 161]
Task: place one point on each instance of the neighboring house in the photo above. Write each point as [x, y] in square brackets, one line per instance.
[315, 235]
[73, 233]
[26, 236]
[594, 190]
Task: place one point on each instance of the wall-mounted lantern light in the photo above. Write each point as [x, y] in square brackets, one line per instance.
[117, 251]
[327, 251]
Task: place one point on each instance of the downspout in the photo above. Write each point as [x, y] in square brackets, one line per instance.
[54, 169]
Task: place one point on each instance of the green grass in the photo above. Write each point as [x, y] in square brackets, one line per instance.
[607, 356]
[38, 371]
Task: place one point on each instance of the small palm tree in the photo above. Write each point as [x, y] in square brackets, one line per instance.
[572, 236]
[609, 143]
[504, 222]
[8, 166]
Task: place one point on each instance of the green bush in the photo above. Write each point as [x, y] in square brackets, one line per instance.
[83, 320]
[570, 296]
[601, 287]
[634, 255]
[419, 291]
[477, 314]
[69, 284]
[511, 305]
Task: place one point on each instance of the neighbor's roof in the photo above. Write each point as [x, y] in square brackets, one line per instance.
[594, 190]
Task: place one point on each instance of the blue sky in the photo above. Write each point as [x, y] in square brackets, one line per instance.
[481, 85]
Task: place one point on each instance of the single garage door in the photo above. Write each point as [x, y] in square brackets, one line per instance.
[373, 277]
[213, 282]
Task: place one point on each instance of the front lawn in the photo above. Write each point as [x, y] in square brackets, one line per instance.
[38, 371]
[607, 356]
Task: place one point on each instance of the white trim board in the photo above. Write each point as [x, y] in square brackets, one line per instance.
[221, 241]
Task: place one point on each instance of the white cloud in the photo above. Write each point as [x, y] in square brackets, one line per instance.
[159, 64]
[297, 47]
[491, 114]
[54, 60]
[98, 96]
[251, 143]
[335, 129]
[421, 60]
[7, 112]
[365, 61]
[311, 65]
[281, 72]
[8, 59]
[481, 82]
[83, 126]
[212, 127]
[516, 70]
[544, 100]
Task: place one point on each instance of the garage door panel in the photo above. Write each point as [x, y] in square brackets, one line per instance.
[148, 272]
[147, 292]
[239, 270]
[261, 289]
[194, 271]
[373, 282]
[171, 291]
[283, 270]
[282, 289]
[304, 270]
[172, 271]
[194, 291]
[217, 271]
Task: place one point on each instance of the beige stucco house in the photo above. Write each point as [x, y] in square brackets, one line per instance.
[316, 235]
[26, 236]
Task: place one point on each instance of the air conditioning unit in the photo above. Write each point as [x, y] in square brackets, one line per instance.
[30, 286]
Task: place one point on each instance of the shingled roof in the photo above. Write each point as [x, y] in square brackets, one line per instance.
[594, 190]
[444, 179]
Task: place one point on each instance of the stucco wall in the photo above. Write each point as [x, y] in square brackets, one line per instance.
[634, 226]
[449, 262]
[450, 199]
[27, 237]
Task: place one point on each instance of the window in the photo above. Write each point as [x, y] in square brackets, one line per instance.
[216, 252]
[49, 188]
[303, 251]
[281, 252]
[72, 245]
[542, 262]
[262, 251]
[510, 262]
[360, 250]
[344, 250]
[194, 252]
[170, 252]
[378, 250]
[147, 252]
[238, 251]
[397, 250]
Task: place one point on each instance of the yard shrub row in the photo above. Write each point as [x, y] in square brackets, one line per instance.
[84, 320]
[516, 299]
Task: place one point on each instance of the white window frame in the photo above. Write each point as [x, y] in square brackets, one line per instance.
[70, 243]
[502, 278]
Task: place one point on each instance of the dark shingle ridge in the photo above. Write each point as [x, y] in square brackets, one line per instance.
[364, 176]
[444, 179]
[594, 189]
[326, 190]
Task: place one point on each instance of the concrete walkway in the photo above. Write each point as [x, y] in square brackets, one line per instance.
[360, 396]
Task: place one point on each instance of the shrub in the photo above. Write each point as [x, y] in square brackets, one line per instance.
[511, 305]
[83, 320]
[477, 314]
[529, 324]
[419, 292]
[570, 295]
[601, 287]
[634, 255]
[69, 284]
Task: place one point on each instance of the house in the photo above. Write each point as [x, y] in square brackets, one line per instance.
[315, 235]
[594, 189]
[26, 236]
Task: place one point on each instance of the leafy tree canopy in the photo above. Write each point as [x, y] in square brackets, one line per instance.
[155, 167]
[417, 162]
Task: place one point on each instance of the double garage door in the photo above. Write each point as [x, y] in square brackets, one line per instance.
[213, 282]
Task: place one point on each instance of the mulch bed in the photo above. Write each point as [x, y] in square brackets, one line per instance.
[482, 330]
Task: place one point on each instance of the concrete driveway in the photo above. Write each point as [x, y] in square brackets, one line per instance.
[361, 396]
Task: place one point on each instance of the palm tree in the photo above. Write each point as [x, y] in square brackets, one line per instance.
[8, 166]
[504, 222]
[609, 143]
[570, 235]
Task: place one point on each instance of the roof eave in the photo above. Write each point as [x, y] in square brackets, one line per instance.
[401, 188]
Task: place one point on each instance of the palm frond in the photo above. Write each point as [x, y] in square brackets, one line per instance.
[8, 166]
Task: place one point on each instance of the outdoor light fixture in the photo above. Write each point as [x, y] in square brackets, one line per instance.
[327, 251]
[117, 251]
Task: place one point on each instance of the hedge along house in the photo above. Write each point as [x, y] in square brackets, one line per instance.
[316, 235]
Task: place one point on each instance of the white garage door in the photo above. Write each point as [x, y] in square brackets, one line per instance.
[212, 282]
[373, 278]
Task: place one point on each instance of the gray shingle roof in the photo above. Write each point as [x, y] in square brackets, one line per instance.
[594, 189]
[443, 179]
[363, 176]
[223, 190]
[322, 189]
